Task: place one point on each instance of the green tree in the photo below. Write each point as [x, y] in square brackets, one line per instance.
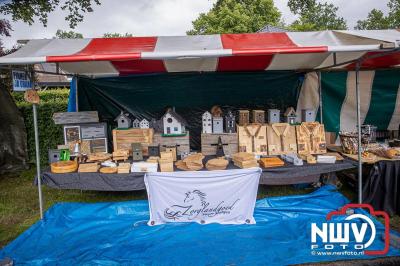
[28, 10]
[376, 19]
[61, 34]
[315, 16]
[117, 35]
[237, 16]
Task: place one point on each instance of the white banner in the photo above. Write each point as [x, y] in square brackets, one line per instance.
[225, 197]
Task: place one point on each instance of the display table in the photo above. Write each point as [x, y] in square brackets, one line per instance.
[284, 175]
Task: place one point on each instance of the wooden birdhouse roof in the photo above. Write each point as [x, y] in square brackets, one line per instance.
[289, 111]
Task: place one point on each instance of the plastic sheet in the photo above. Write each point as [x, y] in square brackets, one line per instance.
[117, 233]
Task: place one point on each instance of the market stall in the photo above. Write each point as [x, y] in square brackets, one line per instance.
[271, 139]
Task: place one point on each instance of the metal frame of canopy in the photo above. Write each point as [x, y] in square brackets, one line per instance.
[358, 62]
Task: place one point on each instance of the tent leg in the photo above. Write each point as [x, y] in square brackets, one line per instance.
[359, 134]
[320, 97]
[76, 93]
[38, 159]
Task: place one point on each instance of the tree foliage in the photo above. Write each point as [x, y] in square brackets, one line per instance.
[61, 34]
[117, 35]
[29, 10]
[377, 20]
[315, 16]
[237, 16]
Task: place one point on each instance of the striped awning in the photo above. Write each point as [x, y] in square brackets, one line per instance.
[379, 99]
[224, 52]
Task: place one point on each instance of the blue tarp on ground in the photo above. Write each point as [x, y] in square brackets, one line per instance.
[117, 233]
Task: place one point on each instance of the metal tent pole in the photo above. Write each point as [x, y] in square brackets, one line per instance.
[359, 133]
[35, 125]
[320, 97]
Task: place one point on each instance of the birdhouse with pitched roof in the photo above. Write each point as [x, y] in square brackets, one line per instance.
[136, 123]
[290, 115]
[123, 120]
[173, 123]
[144, 123]
[207, 122]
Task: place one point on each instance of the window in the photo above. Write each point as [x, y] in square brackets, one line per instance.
[169, 120]
[176, 129]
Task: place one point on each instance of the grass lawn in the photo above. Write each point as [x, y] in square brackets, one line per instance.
[19, 207]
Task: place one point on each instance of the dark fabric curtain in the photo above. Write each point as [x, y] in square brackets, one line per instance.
[147, 96]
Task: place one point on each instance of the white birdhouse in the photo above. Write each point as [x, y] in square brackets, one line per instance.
[218, 125]
[207, 122]
[144, 124]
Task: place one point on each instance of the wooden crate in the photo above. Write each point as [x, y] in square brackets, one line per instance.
[123, 139]
[181, 142]
[252, 138]
[209, 143]
[281, 139]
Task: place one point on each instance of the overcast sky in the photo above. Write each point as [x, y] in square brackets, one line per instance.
[161, 17]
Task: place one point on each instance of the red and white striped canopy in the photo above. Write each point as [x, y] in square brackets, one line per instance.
[225, 52]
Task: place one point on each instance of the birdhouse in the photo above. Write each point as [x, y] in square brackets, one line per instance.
[290, 116]
[308, 115]
[137, 153]
[136, 123]
[218, 125]
[206, 122]
[273, 116]
[144, 123]
[123, 120]
[173, 123]
[244, 117]
[259, 116]
[230, 123]
[154, 150]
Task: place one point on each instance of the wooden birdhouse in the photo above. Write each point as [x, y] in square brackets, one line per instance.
[244, 117]
[137, 153]
[173, 123]
[290, 116]
[144, 123]
[230, 123]
[218, 125]
[273, 116]
[206, 122]
[123, 120]
[307, 115]
[136, 123]
[259, 116]
[154, 150]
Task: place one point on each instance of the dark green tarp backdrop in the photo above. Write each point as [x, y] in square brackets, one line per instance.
[147, 96]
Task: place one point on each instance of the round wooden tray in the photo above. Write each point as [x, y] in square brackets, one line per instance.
[64, 167]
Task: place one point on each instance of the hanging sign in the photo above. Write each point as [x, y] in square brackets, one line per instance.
[225, 197]
[21, 80]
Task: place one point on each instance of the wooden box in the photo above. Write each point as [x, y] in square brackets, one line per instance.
[172, 149]
[311, 138]
[274, 116]
[181, 142]
[252, 138]
[244, 117]
[88, 168]
[166, 165]
[258, 116]
[281, 139]
[123, 139]
[209, 143]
